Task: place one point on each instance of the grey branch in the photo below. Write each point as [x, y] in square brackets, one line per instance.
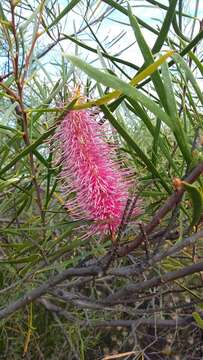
[128, 290]
[41, 290]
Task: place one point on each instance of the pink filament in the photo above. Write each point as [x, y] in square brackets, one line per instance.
[90, 170]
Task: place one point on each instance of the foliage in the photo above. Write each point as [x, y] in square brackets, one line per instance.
[63, 297]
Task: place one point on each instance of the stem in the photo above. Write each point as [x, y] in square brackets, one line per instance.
[19, 97]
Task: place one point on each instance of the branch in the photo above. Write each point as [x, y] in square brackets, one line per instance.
[135, 323]
[117, 323]
[39, 291]
[78, 300]
[56, 309]
[132, 270]
[172, 201]
[127, 291]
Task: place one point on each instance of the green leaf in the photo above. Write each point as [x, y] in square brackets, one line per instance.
[178, 31]
[139, 111]
[5, 184]
[172, 107]
[189, 75]
[10, 129]
[179, 133]
[16, 246]
[41, 158]
[106, 55]
[26, 151]
[165, 27]
[120, 8]
[23, 260]
[198, 319]
[156, 141]
[3, 20]
[148, 57]
[149, 70]
[115, 83]
[185, 51]
[196, 61]
[65, 11]
[128, 90]
[197, 202]
[135, 147]
[36, 143]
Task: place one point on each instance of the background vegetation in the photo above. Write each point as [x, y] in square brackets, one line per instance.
[62, 297]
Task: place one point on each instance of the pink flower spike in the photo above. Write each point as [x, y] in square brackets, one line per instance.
[90, 170]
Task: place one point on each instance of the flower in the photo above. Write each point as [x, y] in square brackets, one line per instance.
[91, 172]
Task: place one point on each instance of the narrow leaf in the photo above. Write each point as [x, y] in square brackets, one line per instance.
[197, 202]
